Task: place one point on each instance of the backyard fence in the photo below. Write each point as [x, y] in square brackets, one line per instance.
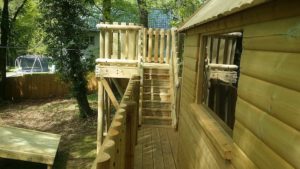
[40, 86]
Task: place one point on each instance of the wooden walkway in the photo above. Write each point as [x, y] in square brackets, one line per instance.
[156, 149]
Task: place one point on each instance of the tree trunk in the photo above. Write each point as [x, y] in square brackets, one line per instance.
[79, 82]
[143, 12]
[3, 49]
[107, 11]
[84, 107]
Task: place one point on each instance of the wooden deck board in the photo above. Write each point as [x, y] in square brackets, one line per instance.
[28, 145]
[156, 149]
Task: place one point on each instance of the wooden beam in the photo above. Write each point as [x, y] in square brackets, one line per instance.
[110, 93]
[100, 117]
[119, 89]
[118, 27]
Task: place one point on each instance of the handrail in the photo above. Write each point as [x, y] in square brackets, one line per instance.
[117, 149]
[174, 73]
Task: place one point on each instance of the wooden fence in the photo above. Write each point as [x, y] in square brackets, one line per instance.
[117, 148]
[40, 86]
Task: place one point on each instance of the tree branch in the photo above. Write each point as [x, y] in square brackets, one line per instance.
[18, 11]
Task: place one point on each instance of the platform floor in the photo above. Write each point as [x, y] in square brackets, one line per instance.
[156, 149]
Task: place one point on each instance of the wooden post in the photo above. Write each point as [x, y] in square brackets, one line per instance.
[144, 44]
[162, 45]
[132, 44]
[123, 37]
[100, 116]
[107, 44]
[168, 47]
[102, 43]
[115, 52]
[150, 45]
[110, 93]
[156, 43]
[103, 161]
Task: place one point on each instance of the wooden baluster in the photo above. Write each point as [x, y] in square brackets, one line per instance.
[123, 34]
[162, 45]
[174, 52]
[132, 44]
[102, 43]
[115, 48]
[107, 43]
[100, 116]
[156, 43]
[168, 47]
[150, 33]
[144, 44]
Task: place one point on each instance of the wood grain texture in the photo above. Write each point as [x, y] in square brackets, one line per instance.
[28, 145]
[256, 150]
[277, 67]
[268, 129]
[279, 102]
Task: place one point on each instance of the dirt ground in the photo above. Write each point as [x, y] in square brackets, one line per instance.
[77, 147]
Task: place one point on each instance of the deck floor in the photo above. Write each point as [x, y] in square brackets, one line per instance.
[156, 148]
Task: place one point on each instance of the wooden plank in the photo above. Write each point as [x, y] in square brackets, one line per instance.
[256, 150]
[173, 139]
[28, 145]
[124, 43]
[115, 51]
[150, 44]
[162, 46]
[168, 45]
[157, 150]
[118, 27]
[132, 43]
[156, 45]
[145, 45]
[148, 149]
[240, 159]
[117, 72]
[110, 93]
[100, 116]
[221, 140]
[107, 44]
[191, 40]
[138, 161]
[102, 44]
[277, 101]
[275, 67]
[166, 149]
[191, 52]
[269, 129]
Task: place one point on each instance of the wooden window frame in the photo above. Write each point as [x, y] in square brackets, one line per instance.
[219, 134]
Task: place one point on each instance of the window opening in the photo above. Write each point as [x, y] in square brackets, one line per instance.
[222, 55]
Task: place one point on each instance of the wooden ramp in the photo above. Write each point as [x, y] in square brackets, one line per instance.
[156, 148]
[28, 145]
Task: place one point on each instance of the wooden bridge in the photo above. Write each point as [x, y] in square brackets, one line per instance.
[140, 134]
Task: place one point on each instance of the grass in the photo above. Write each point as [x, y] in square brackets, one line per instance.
[77, 148]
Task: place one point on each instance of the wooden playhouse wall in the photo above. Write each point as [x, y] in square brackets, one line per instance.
[266, 132]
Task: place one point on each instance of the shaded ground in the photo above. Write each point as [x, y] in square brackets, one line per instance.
[60, 116]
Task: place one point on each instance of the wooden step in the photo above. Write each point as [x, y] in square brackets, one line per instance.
[156, 89]
[156, 71]
[156, 121]
[156, 96]
[156, 112]
[149, 76]
[155, 104]
[156, 82]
